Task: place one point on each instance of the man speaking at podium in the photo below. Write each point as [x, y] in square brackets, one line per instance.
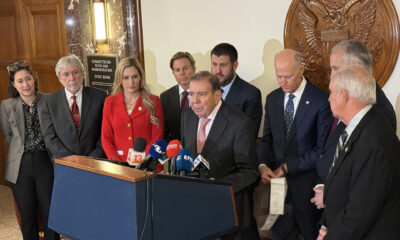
[223, 135]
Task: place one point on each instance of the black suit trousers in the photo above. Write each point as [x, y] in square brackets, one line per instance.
[32, 192]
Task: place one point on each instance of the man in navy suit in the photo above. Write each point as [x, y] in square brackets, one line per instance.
[175, 99]
[297, 116]
[362, 191]
[236, 91]
[345, 53]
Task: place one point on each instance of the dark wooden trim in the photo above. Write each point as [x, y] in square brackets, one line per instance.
[139, 33]
[234, 206]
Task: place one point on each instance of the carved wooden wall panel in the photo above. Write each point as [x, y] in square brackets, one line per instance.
[313, 27]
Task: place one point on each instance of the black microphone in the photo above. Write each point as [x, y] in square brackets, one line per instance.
[155, 152]
[136, 156]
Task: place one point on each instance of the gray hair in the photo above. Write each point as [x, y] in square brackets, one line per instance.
[69, 60]
[355, 52]
[357, 81]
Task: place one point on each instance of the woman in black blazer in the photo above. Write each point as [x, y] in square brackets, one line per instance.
[28, 167]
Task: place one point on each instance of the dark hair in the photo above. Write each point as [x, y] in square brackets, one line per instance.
[12, 70]
[180, 55]
[212, 79]
[225, 49]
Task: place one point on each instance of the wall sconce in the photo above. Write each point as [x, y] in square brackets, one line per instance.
[100, 22]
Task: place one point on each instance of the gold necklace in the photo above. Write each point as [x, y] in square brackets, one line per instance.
[129, 104]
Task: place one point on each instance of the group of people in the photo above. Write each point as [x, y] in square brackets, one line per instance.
[338, 153]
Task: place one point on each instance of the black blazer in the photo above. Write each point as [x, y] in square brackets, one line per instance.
[362, 193]
[230, 151]
[60, 134]
[312, 119]
[382, 106]
[171, 108]
[385, 108]
[246, 97]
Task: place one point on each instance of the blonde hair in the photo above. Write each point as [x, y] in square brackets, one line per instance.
[143, 91]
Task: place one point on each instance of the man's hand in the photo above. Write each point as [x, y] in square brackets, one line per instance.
[279, 171]
[266, 174]
[322, 233]
[318, 198]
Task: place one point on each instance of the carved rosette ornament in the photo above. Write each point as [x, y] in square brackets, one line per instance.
[313, 27]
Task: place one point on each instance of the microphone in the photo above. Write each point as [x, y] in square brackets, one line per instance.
[173, 148]
[184, 162]
[156, 151]
[136, 156]
[202, 166]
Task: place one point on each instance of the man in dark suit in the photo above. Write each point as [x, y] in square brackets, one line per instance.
[297, 116]
[222, 135]
[175, 99]
[345, 53]
[72, 119]
[362, 191]
[236, 91]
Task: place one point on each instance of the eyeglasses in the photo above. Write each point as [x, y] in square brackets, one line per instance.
[16, 66]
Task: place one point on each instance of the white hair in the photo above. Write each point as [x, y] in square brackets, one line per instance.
[357, 81]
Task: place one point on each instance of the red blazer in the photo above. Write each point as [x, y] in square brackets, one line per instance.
[119, 130]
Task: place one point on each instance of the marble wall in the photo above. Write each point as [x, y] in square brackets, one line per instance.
[122, 23]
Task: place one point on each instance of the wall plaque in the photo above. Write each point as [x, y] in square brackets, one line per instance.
[101, 69]
[313, 27]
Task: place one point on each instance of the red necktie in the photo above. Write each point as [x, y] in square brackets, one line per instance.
[333, 126]
[75, 113]
[184, 101]
[201, 135]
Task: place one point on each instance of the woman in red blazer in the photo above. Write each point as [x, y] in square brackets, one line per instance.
[130, 112]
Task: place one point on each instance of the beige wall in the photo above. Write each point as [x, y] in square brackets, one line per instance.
[254, 27]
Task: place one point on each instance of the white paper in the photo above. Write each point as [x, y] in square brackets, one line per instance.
[278, 195]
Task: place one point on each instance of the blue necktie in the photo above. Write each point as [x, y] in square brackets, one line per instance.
[288, 115]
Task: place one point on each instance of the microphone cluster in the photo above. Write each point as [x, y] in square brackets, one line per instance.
[180, 160]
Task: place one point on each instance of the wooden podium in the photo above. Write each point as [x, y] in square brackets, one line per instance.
[95, 199]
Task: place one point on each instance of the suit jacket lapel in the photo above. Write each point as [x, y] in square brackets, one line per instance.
[280, 123]
[191, 130]
[302, 108]
[63, 103]
[217, 128]
[176, 105]
[86, 101]
[233, 91]
[20, 118]
[355, 135]
[333, 139]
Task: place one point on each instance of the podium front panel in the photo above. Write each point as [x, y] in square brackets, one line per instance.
[87, 205]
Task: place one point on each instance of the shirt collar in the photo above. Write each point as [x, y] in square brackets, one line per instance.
[215, 111]
[299, 90]
[181, 90]
[356, 120]
[227, 87]
[78, 94]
